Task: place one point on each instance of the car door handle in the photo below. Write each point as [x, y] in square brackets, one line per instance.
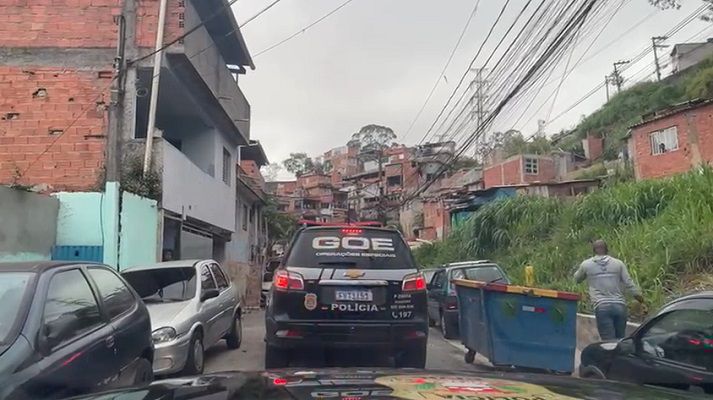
[109, 341]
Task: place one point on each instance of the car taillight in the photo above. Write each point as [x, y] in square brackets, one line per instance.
[285, 280]
[413, 283]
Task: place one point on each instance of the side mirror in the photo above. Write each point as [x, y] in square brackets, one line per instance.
[209, 294]
[428, 286]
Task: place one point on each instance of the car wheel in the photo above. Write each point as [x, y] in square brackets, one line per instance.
[446, 328]
[275, 358]
[235, 337]
[196, 356]
[412, 357]
[591, 372]
[143, 374]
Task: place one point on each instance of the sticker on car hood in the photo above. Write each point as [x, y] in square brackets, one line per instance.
[438, 387]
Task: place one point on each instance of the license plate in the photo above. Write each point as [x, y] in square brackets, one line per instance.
[354, 295]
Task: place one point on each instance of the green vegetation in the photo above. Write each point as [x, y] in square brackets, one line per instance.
[662, 229]
[624, 109]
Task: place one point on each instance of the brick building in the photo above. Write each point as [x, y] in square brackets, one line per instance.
[68, 119]
[672, 140]
[519, 169]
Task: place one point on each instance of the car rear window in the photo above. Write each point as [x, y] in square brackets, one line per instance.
[483, 273]
[350, 247]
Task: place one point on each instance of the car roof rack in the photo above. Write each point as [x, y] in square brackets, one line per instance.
[306, 223]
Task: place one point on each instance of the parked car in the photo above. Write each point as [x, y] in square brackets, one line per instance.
[188, 315]
[347, 287]
[674, 348]
[428, 273]
[70, 328]
[267, 274]
[442, 300]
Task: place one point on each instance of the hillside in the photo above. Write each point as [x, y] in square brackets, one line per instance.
[624, 109]
[662, 229]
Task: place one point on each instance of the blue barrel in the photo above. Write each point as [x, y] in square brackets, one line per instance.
[518, 326]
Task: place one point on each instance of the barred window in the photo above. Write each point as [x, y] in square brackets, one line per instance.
[664, 140]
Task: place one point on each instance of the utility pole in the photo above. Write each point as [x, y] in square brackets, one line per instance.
[655, 43]
[606, 85]
[477, 101]
[618, 80]
[116, 105]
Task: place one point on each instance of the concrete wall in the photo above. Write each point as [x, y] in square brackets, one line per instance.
[190, 191]
[139, 231]
[27, 225]
[197, 143]
[90, 219]
[206, 59]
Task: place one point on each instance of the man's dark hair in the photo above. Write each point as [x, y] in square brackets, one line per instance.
[599, 247]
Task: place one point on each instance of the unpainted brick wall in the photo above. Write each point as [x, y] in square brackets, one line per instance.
[147, 21]
[42, 106]
[58, 23]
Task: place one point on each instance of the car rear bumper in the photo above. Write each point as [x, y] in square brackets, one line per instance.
[344, 334]
[170, 357]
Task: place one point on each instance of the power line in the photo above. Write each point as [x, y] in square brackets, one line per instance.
[320, 19]
[443, 71]
[259, 13]
[460, 82]
[574, 23]
[226, 7]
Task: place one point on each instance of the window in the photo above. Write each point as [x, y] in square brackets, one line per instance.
[226, 166]
[219, 276]
[70, 309]
[207, 281]
[394, 180]
[439, 280]
[682, 336]
[664, 140]
[532, 166]
[117, 298]
[252, 214]
[245, 217]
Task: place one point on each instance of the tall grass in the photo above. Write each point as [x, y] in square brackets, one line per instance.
[662, 229]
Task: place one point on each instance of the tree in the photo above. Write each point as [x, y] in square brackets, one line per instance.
[280, 226]
[298, 164]
[372, 141]
[271, 171]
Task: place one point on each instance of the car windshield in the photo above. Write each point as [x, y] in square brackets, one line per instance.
[13, 289]
[350, 247]
[163, 284]
[428, 274]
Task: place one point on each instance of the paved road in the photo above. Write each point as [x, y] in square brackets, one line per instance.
[442, 354]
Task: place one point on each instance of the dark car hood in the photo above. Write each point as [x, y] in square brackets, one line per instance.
[383, 384]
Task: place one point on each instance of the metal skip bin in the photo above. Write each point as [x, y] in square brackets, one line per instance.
[518, 326]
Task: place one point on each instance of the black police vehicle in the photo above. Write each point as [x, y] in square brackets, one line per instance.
[347, 287]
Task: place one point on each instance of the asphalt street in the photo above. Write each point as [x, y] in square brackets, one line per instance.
[442, 354]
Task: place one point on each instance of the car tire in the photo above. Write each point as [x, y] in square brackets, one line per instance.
[235, 336]
[591, 372]
[412, 357]
[446, 328]
[195, 362]
[143, 374]
[276, 358]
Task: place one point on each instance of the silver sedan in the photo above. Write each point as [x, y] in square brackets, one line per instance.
[193, 305]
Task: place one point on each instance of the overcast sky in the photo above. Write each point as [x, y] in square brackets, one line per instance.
[375, 61]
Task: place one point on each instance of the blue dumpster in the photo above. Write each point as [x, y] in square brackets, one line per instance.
[518, 326]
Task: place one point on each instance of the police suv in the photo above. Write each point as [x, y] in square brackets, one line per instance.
[347, 287]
